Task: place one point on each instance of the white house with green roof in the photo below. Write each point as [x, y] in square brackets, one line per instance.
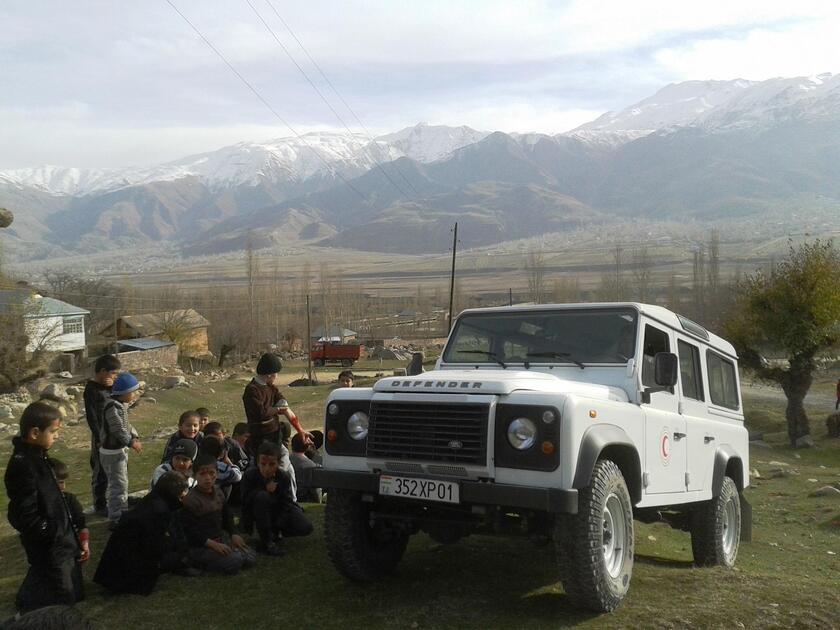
[51, 325]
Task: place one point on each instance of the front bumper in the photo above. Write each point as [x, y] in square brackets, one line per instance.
[553, 500]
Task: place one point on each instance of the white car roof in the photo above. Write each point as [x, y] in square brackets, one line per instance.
[658, 313]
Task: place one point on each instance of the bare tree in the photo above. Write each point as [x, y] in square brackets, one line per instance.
[614, 282]
[672, 297]
[24, 344]
[102, 298]
[698, 283]
[177, 326]
[535, 270]
[251, 273]
[642, 272]
[566, 290]
[713, 298]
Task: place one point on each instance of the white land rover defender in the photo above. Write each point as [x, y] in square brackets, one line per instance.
[562, 422]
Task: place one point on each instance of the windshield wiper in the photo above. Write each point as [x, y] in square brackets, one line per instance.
[486, 353]
[557, 355]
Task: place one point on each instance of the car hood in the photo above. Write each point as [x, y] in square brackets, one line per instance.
[500, 382]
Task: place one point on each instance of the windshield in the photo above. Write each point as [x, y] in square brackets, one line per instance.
[564, 336]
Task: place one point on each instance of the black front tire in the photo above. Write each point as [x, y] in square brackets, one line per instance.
[716, 528]
[360, 550]
[595, 546]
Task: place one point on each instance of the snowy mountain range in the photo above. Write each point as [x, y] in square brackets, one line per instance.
[293, 159]
[697, 149]
[720, 105]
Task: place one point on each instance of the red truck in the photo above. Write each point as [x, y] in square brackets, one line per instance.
[345, 354]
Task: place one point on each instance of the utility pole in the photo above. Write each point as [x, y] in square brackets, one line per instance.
[308, 342]
[116, 334]
[510, 297]
[452, 276]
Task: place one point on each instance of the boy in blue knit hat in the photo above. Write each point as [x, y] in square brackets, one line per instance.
[117, 437]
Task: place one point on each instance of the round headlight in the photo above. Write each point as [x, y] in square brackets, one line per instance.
[522, 433]
[332, 409]
[548, 416]
[357, 425]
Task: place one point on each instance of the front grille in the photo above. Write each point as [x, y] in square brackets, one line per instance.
[438, 432]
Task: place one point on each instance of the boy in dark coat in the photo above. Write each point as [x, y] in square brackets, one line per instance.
[77, 521]
[96, 395]
[38, 512]
[141, 547]
[215, 544]
[267, 501]
[264, 404]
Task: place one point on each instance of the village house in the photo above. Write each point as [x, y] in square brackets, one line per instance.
[50, 325]
[186, 327]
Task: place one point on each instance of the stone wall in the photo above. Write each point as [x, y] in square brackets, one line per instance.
[143, 359]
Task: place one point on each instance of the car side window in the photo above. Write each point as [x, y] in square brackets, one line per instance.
[691, 373]
[655, 341]
[723, 386]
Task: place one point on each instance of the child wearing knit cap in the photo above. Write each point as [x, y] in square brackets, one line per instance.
[117, 437]
[183, 455]
[264, 404]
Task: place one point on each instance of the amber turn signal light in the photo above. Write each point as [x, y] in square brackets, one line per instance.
[547, 447]
[332, 435]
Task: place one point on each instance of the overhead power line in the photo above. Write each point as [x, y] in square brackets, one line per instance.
[320, 94]
[266, 103]
[334, 89]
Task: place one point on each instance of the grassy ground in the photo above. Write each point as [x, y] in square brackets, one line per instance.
[787, 577]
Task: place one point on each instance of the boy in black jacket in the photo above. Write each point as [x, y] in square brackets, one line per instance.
[215, 545]
[142, 547]
[78, 523]
[267, 500]
[37, 510]
[97, 394]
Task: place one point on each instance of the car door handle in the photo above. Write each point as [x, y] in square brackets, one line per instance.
[708, 438]
[678, 435]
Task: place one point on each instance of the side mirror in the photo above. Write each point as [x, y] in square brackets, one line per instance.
[665, 369]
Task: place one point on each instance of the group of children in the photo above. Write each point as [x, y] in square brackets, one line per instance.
[187, 523]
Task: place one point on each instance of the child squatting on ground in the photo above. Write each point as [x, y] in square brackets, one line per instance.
[144, 543]
[117, 437]
[268, 503]
[215, 544]
[38, 511]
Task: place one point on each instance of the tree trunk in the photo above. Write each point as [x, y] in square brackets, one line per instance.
[224, 351]
[796, 383]
[797, 419]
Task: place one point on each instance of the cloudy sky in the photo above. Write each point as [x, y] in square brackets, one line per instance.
[105, 83]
